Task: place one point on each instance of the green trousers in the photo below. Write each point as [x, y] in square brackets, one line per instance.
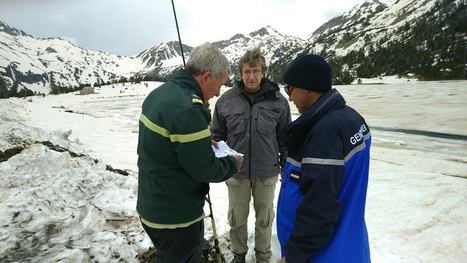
[240, 193]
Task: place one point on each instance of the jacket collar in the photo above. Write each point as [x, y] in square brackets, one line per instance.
[297, 131]
[269, 89]
[185, 80]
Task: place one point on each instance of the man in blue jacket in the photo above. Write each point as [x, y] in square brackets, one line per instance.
[321, 207]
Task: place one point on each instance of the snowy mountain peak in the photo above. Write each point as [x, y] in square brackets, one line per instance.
[236, 36]
[425, 38]
[161, 60]
[265, 31]
[4, 27]
[165, 55]
[357, 15]
[45, 65]
[369, 21]
[369, 6]
[394, 32]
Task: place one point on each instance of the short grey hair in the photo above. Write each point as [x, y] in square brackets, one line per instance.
[207, 57]
[251, 57]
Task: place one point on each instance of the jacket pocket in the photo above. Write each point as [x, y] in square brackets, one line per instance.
[267, 119]
[237, 216]
[231, 217]
[269, 180]
[268, 217]
[235, 120]
[232, 181]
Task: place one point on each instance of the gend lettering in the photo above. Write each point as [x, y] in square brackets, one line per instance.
[359, 135]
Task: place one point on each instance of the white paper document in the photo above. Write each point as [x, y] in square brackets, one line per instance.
[224, 150]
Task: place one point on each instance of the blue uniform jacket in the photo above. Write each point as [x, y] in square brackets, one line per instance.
[321, 207]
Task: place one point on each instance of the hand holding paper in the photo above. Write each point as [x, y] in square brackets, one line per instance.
[223, 150]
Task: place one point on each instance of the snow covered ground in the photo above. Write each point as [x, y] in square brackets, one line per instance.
[60, 201]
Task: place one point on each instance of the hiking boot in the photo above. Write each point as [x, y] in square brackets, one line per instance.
[238, 258]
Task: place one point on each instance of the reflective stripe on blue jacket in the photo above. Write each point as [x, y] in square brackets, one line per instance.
[321, 207]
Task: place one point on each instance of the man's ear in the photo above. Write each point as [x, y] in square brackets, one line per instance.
[205, 76]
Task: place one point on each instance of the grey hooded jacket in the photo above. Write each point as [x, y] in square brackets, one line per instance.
[252, 128]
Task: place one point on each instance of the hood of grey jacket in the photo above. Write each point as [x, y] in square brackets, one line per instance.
[252, 128]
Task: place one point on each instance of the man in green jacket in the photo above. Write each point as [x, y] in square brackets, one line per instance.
[175, 158]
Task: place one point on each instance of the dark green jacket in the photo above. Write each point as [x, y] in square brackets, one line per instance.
[175, 157]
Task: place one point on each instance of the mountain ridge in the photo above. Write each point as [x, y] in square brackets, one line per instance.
[371, 39]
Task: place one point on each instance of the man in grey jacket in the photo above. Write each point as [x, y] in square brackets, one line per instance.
[249, 117]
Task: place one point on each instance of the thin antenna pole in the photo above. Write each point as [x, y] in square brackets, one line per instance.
[178, 32]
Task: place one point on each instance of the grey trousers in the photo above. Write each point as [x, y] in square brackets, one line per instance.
[240, 193]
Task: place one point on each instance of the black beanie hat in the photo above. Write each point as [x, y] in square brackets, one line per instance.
[310, 72]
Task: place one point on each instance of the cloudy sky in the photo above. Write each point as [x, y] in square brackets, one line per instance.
[127, 27]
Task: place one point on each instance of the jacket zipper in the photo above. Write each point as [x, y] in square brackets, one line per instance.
[249, 143]
[251, 104]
